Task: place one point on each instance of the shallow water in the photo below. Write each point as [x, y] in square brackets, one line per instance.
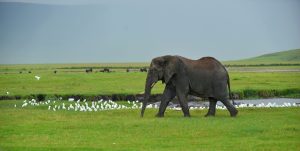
[278, 101]
[255, 102]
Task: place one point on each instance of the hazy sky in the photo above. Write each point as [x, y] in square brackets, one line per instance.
[77, 31]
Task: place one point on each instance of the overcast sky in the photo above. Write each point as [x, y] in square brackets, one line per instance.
[77, 31]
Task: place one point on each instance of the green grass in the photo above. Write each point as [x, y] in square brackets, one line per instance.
[73, 83]
[129, 83]
[283, 57]
[253, 129]
[264, 68]
[264, 81]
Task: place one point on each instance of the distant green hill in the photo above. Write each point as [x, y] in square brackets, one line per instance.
[283, 57]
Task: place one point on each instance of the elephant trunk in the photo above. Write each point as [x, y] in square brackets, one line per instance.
[150, 81]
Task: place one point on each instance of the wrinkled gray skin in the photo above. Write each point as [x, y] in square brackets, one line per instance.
[205, 77]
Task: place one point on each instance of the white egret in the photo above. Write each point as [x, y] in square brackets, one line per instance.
[63, 106]
[25, 104]
[37, 77]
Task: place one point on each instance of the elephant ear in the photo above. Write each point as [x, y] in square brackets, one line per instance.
[171, 66]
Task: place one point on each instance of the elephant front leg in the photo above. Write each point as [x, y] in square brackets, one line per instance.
[212, 107]
[168, 95]
[183, 103]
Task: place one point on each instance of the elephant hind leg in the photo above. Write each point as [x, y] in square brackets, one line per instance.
[233, 111]
[212, 107]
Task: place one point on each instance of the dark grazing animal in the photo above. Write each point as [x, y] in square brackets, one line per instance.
[105, 70]
[143, 70]
[89, 70]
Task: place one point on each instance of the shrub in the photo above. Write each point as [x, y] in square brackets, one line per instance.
[40, 97]
[248, 93]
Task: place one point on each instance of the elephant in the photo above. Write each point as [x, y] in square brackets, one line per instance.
[205, 77]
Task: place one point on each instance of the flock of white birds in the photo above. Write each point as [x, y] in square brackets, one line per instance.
[82, 106]
[94, 106]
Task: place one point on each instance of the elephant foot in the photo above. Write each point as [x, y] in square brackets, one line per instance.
[159, 115]
[209, 115]
[234, 113]
[187, 115]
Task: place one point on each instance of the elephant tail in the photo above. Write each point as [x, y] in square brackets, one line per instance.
[230, 94]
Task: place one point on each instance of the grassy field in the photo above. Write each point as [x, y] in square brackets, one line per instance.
[253, 129]
[37, 128]
[283, 57]
[130, 83]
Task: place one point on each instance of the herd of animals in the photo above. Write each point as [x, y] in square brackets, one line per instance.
[90, 70]
[109, 70]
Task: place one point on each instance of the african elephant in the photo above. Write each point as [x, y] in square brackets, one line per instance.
[205, 77]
